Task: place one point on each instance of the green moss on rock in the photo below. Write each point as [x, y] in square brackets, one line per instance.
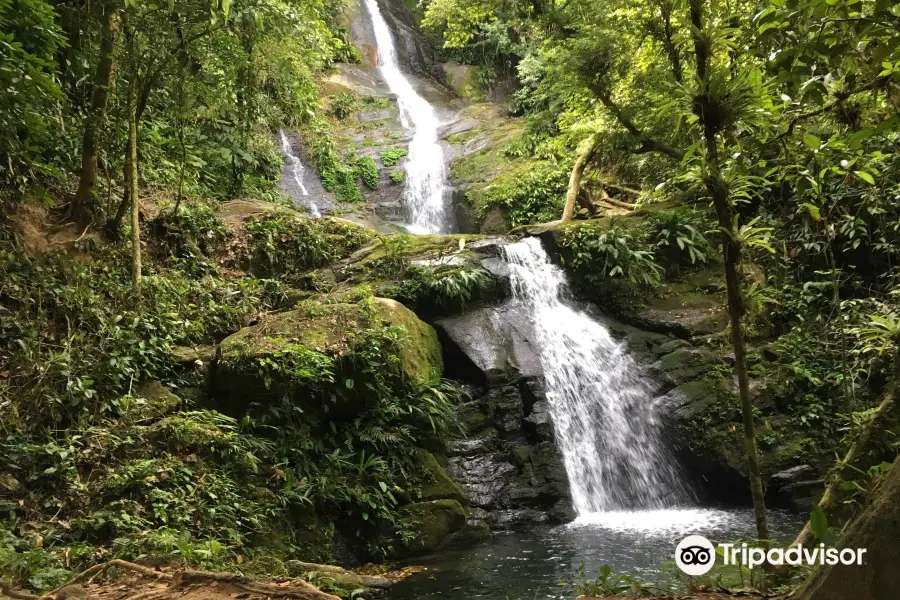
[430, 523]
[433, 481]
[420, 351]
[308, 354]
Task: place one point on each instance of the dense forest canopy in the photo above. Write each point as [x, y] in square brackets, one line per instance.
[760, 138]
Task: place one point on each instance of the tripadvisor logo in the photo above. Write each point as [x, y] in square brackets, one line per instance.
[696, 555]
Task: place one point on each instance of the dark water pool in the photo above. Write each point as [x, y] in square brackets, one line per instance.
[528, 565]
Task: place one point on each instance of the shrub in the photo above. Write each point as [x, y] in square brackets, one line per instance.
[368, 171]
[614, 251]
[398, 176]
[343, 105]
[678, 238]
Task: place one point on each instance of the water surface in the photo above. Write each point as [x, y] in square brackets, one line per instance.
[529, 565]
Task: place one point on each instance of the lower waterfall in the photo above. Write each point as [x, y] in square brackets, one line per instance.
[606, 422]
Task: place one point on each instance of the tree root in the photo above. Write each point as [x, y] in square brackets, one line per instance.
[300, 590]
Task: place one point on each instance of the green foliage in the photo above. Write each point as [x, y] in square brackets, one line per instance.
[392, 156]
[605, 584]
[450, 288]
[338, 174]
[286, 246]
[536, 195]
[190, 237]
[398, 176]
[29, 92]
[343, 105]
[368, 171]
[612, 251]
[679, 239]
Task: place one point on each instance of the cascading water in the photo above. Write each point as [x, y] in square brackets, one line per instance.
[425, 170]
[606, 422]
[297, 170]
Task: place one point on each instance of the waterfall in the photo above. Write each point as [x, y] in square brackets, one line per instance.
[425, 171]
[297, 169]
[605, 419]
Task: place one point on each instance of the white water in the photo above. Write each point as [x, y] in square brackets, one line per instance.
[606, 423]
[425, 171]
[297, 171]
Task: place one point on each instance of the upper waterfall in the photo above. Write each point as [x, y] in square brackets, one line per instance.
[425, 171]
[297, 171]
[605, 419]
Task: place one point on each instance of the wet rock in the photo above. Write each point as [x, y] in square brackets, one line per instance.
[496, 340]
[796, 488]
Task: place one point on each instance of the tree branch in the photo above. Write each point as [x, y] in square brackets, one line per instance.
[646, 144]
[839, 97]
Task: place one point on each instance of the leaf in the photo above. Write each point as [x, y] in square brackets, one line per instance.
[865, 176]
[812, 141]
[818, 522]
[226, 8]
[813, 211]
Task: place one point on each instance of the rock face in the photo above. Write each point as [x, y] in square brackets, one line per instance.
[414, 52]
[508, 465]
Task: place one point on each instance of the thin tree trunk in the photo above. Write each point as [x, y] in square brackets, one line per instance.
[731, 253]
[83, 206]
[837, 473]
[132, 178]
[575, 177]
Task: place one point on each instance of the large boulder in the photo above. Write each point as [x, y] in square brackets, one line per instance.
[430, 524]
[491, 344]
[309, 355]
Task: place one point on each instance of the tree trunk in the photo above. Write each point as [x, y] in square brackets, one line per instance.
[731, 253]
[837, 474]
[877, 529]
[575, 177]
[83, 206]
[131, 177]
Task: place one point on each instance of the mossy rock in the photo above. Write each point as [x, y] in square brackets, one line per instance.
[155, 401]
[433, 481]
[430, 524]
[420, 351]
[307, 354]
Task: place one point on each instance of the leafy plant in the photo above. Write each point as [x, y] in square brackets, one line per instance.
[369, 172]
[678, 238]
[605, 584]
[392, 156]
[343, 104]
[398, 176]
[614, 251]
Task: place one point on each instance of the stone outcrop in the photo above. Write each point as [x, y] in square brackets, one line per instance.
[282, 355]
[507, 465]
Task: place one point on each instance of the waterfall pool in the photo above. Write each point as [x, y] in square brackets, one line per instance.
[529, 565]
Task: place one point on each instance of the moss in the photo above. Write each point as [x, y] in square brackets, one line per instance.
[430, 523]
[433, 481]
[420, 351]
[312, 348]
[158, 401]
